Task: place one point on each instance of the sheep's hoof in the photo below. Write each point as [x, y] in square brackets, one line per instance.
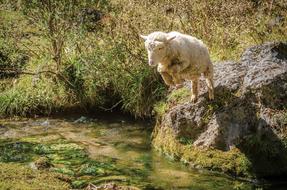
[193, 98]
[171, 88]
[211, 97]
[178, 86]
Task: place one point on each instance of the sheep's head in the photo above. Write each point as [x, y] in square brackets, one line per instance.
[156, 44]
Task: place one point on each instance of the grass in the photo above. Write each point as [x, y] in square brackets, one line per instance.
[26, 98]
[160, 108]
[179, 96]
[103, 64]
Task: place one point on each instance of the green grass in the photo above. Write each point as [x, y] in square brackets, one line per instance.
[26, 98]
[179, 96]
[106, 67]
[160, 108]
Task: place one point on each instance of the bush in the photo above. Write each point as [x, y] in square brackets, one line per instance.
[12, 57]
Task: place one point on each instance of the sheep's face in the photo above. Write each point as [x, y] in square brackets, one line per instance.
[156, 44]
[156, 52]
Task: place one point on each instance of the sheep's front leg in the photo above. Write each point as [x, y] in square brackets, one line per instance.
[167, 78]
[194, 90]
[176, 76]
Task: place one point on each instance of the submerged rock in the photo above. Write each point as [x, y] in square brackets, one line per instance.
[249, 114]
[110, 186]
[43, 163]
[45, 123]
[82, 119]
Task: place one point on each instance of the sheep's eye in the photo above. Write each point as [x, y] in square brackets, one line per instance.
[160, 48]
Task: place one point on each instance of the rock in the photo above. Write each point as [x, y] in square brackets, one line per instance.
[264, 64]
[82, 119]
[248, 96]
[3, 129]
[42, 163]
[90, 15]
[45, 123]
[110, 186]
[91, 18]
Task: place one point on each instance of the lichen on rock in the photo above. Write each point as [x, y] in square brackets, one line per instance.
[245, 122]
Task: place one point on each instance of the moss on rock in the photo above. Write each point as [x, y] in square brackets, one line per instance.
[232, 162]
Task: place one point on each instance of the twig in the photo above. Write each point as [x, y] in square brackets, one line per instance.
[111, 108]
[32, 51]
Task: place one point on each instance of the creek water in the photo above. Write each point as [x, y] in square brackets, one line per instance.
[101, 150]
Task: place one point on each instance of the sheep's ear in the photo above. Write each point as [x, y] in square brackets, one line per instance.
[143, 37]
[170, 38]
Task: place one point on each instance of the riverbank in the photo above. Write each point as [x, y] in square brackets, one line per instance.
[243, 131]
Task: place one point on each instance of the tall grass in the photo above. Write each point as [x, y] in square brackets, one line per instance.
[30, 97]
[103, 62]
[227, 27]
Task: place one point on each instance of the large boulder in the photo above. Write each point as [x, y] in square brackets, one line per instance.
[249, 112]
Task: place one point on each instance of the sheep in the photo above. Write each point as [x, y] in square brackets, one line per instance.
[180, 57]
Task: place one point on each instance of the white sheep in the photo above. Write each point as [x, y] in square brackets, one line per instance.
[180, 57]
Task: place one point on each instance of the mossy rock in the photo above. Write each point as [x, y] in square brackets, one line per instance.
[231, 162]
[243, 131]
[43, 163]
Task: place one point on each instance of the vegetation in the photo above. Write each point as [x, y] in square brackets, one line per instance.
[232, 162]
[61, 161]
[22, 177]
[62, 55]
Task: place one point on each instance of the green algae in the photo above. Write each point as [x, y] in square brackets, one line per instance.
[99, 153]
[16, 152]
[21, 177]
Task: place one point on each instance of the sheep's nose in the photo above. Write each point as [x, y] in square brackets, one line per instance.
[150, 62]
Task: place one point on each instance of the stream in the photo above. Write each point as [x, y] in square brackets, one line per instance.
[103, 149]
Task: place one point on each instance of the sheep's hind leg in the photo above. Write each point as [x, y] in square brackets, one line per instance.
[194, 90]
[209, 82]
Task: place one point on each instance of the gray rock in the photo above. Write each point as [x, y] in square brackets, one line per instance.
[229, 74]
[45, 123]
[82, 119]
[248, 94]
